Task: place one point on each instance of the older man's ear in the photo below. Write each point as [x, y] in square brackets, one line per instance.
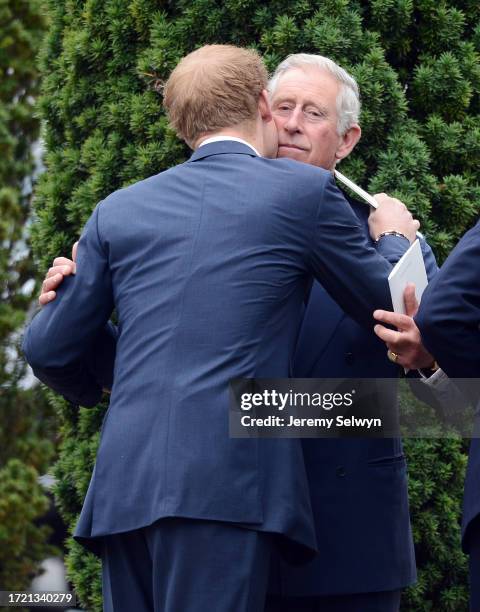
[264, 106]
[348, 142]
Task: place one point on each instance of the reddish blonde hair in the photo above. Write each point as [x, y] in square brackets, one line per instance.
[214, 87]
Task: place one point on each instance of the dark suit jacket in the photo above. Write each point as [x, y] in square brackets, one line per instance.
[358, 487]
[449, 321]
[207, 265]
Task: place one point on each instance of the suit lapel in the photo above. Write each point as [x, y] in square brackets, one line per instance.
[321, 319]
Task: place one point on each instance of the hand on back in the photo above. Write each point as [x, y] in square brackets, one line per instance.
[62, 266]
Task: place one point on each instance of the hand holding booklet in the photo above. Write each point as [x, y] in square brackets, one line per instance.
[410, 268]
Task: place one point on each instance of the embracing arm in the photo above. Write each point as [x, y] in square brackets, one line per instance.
[353, 272]
[100, 359]
[65, 330]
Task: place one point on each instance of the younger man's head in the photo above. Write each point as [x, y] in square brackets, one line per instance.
[221, 89]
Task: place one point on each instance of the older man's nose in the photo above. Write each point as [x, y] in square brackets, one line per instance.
[294, 121]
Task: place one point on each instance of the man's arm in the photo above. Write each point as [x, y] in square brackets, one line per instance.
[447, 325]
[448, 322]
[449, 315]
[64, 331]
[353, 272]
[340, 244]
[437, 389]
[100, 360]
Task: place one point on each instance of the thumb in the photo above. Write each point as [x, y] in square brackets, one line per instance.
[74, 251]
[410, 300]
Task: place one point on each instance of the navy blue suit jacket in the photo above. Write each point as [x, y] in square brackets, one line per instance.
[358, 487]
[449, 321]
[207, 265]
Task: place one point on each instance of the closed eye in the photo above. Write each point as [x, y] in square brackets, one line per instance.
[283, 108]
[312, 112]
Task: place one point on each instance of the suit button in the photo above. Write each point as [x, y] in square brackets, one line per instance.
[341, 471]
[349, 358]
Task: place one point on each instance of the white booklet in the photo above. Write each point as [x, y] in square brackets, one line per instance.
[410, 268]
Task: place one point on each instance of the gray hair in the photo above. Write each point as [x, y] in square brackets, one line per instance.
[348, 99]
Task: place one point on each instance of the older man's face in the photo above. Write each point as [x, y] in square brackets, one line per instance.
[304, 108]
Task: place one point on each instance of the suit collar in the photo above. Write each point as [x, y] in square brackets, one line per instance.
[220, 148]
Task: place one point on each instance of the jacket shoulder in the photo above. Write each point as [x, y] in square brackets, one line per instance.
[301, 170]
[140, 187]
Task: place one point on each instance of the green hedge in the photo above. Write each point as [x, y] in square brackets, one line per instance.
[26, 430]
[417, 63]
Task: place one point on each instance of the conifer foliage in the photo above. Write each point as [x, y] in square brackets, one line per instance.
[26, 426]
[417, 63]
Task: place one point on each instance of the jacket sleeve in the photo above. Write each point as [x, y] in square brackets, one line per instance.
[353, 272]
[101, 359]
[449, 314]
[431, 265]
[63, 333]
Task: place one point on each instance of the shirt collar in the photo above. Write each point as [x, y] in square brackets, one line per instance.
[234, 138]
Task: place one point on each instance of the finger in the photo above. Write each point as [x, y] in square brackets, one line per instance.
[46, 297]
[63, 270]
[410, 300]
[62, 261]
[400, 360]
[381, 198]
[52, 283]
[74, 251]
[401, 321]
[389, 336]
